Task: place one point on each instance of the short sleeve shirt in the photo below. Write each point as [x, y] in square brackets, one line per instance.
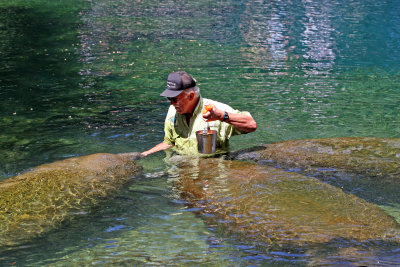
[183, 136]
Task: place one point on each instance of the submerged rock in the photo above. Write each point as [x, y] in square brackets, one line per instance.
[268, 207]
[39, 200]
[364, 155]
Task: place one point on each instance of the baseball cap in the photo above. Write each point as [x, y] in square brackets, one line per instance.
[177, 82]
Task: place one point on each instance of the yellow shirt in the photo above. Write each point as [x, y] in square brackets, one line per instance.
[183, 136]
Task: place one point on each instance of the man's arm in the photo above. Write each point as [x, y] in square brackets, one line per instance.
[241, 122]
[159, 147]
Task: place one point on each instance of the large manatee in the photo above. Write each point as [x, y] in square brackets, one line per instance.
[36, 201]
[378, 157]
[258, 204]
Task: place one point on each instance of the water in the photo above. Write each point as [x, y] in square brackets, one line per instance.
[79, 77]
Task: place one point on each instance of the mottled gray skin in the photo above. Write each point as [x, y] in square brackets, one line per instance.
[375, 157]
[271, 208]
[39, 200]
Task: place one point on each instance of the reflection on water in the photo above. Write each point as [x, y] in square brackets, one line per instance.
[317, 37]
[79, 77]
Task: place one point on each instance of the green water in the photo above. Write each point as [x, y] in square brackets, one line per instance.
[79, 77]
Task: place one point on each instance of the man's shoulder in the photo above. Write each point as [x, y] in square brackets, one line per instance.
[170, 119]
[171, 111]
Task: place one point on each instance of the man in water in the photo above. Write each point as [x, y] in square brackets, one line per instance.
[185, 117]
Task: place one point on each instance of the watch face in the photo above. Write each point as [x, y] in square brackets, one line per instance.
[226, 116]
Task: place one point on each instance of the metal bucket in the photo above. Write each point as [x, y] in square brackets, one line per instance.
[206, 141]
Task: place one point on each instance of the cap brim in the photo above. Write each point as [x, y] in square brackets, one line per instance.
[170, 93]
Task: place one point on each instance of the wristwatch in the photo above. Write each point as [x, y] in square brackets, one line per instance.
[226, 116]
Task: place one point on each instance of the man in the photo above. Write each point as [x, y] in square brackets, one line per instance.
[185, 117]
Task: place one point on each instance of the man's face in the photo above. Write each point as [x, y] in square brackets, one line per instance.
[181, 102]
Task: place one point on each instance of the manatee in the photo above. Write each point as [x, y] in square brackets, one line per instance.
[258, 204]
[375, 157]
[41, 199]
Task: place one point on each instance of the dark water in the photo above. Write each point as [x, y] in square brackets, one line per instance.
[79, 77]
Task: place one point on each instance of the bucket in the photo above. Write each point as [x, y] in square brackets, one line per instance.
[206, 141]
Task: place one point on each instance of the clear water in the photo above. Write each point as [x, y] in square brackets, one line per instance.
[79, 77]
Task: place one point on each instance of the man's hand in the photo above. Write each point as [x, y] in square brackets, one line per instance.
[159, 147]
[144, 154]
[213, 114]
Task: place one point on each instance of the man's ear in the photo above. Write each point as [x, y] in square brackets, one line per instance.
[191, 95]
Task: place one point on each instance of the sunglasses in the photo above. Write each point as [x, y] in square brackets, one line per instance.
[172, 99]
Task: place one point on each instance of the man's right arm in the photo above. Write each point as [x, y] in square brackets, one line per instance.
[159, 147]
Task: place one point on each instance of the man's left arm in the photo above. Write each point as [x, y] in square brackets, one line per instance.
[242, 122]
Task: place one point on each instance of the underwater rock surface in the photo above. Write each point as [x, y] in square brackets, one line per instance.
[377, 157]
[269, 207]
[41, 199]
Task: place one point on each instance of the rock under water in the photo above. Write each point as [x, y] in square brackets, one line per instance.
[41, 199]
